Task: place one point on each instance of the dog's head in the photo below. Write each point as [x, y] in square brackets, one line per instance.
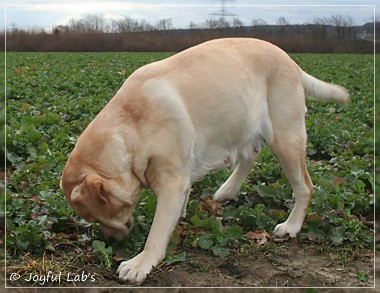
[98, 196]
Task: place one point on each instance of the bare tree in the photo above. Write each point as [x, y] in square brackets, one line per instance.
[344, 26]
[237, 23]
[283, 24]
[260, 26]
[337, 21]
[125, 25]
[258, 22]
[319, 28]
[349, 27]
[193, 25]
[89, 23]
[95, 22]
[212, 23]
[282, 21]
[75, 25]
[164, 24]
[145, 26]
[60, 29]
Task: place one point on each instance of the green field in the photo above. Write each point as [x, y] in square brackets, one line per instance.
[51, 98]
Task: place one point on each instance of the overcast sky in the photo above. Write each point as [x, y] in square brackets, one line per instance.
[47, 13]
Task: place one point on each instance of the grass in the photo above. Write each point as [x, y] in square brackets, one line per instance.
[51, 98]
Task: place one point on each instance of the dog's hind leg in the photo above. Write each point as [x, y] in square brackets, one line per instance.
[290, 150]
[231, 187]
[187, 193]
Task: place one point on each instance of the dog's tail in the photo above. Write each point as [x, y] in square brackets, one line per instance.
[323, 91]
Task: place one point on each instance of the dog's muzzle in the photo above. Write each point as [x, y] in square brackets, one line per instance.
[116, 231]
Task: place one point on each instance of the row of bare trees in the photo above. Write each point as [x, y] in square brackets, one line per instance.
[344, 25]
[93, 23]
[94, 33]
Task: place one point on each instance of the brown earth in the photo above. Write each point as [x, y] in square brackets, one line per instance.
[283, 265]
[291, 265]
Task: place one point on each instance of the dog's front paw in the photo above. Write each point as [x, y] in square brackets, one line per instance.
[286, 228]
[136, 269]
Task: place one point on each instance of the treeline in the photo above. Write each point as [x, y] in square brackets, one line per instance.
[93, 23]
[337, 34]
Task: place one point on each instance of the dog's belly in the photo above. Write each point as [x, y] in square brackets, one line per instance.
[208, 157]
[228, 133]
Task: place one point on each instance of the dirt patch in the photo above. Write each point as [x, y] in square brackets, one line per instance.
[279, 265]
[290, 265]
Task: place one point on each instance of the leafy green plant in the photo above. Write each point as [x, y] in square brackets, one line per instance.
[214, 237]
[104, 253]
[362, 277]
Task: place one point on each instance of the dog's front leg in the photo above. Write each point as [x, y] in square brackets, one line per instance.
[170, 200]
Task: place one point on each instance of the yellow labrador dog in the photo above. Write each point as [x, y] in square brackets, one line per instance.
[209, 107]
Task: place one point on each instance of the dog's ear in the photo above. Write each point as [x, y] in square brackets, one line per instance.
[92, 194]
[97, 195]
[75, 194]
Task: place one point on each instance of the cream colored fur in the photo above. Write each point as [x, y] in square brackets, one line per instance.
[209, 107]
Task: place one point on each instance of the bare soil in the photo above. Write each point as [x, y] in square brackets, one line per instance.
[283, 265]
[290, 265]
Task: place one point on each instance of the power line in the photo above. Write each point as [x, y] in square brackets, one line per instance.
[223, 13]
